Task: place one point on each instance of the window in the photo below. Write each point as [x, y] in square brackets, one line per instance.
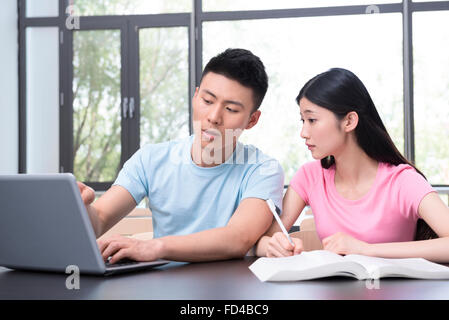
[234, 5]
[431, 70]
[96, 105]
[164, 84]
[124, 76]
[42, 8]
[127, 7]
[131, 90]
[293, 54]
[42, 124]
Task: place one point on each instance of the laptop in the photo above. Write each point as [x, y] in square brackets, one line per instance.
[45, 226]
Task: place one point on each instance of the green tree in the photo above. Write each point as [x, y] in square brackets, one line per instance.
[96, 107]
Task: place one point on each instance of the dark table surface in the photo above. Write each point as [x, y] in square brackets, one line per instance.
[221, 280]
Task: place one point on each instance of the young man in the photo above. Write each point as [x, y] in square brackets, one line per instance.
[207, 192]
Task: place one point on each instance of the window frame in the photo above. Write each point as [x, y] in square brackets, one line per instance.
[193, 21]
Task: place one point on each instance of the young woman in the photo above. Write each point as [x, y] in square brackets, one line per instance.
[366, 198]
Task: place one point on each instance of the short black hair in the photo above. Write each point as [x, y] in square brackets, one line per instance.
[244, 67]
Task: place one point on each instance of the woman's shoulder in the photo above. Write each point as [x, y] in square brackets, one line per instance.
[400, 170]
[309, 171]
[314, 165]
[305, 179]
[403, 175]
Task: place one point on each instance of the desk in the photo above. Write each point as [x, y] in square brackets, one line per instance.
[222, 280]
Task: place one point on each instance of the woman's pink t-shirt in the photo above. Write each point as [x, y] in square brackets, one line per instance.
[387, 213]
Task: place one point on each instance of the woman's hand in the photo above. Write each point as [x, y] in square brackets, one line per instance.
[342, 243]
[279, 246]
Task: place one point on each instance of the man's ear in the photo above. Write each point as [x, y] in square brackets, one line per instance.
[195, 96]
[351, 121]
[253, 119]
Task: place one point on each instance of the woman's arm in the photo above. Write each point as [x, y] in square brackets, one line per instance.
[292, 205]
[434, 212]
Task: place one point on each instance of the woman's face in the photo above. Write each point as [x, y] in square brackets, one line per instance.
[321, 130]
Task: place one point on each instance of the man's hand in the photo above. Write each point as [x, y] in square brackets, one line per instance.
[343, 244]
[87, 193]
[118, 248]
[279, 246]
[88, 196]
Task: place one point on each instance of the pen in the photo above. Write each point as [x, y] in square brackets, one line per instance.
[274, 212]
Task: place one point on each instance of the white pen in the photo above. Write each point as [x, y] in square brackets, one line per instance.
[273, 211]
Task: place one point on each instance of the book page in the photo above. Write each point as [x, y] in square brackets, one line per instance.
[406, 267]
[306, 265]
[304, 260]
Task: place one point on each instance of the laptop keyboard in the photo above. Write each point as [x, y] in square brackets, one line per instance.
[121, 263]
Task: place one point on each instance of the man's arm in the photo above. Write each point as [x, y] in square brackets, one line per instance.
[251, 219]
[109, 209]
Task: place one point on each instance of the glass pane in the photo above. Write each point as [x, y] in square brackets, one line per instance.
[294, 50]
[42, 96]
[237, 5]
[42, 8]
[9, 89]
[124, 7]
[431, 70]
[96, 105]
[164, 84]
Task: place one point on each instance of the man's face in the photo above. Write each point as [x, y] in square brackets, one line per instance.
[222, 109]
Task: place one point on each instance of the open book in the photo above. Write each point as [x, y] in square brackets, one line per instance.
[321, 263]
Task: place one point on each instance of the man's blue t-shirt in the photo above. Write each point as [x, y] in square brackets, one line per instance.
[186, 198]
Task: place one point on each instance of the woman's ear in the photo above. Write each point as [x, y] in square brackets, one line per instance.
[350, 121]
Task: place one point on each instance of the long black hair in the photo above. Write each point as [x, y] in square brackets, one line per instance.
[341, 91]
